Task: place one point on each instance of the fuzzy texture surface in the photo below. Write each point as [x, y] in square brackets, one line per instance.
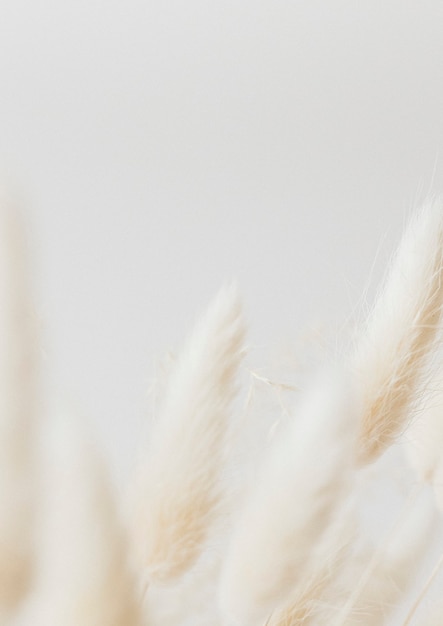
[292, 505]
[178, 485]
[372, 583]
[84, 572]
[391, 354]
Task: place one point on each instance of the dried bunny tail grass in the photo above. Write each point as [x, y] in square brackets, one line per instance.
[302, 483]
[177, 488]
[332, 555]
[392, 574]
[17, 410]
[84, 575]
[400, 332]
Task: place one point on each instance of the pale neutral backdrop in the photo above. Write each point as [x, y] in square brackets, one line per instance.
[163, 147]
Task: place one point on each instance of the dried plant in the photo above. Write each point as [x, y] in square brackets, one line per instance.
[274, 540]
[178, 484]
[18, 412]
[83, 572]
[391, 354]
[296, 539]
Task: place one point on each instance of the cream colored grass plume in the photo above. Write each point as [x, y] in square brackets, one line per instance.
[302, 483]
[400, 332]
[296, 547]
[177, 488]
[310, 600]
[17, 411]
[84, 577]
[386, 571]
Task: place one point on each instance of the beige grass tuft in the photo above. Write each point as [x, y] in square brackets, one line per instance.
[84, 575]
[400, 332]
[308, 602]
[17, 411]
[303, 481]
[177, 489]
[386, 582]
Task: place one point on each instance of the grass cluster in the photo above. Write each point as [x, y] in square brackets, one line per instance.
[322, 509]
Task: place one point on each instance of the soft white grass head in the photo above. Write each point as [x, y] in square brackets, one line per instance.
[177, 489]
[302, 483]
[83, 576]
[391, 354]
[310, 600]
[377, 578]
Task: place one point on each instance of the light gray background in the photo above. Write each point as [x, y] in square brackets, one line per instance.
[163, 147]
